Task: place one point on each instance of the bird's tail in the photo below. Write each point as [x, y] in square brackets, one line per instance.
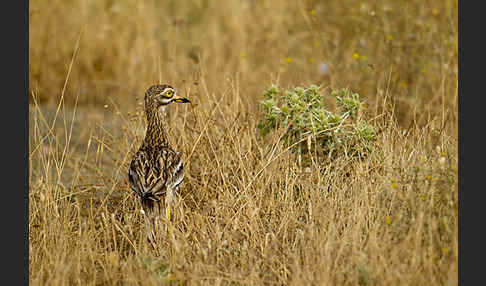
[154, 213]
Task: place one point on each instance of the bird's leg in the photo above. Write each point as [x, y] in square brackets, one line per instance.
[168, 212]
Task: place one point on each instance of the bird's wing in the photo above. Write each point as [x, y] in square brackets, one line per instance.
[174, 170]
[137, 173]
[153, 175]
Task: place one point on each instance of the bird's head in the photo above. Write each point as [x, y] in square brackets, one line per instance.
[161, 95]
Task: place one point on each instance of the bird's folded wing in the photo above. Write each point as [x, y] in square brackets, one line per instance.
[154, 177]
[174, 170]
[136, 175]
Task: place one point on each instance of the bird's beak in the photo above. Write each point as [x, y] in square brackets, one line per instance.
[180, 99]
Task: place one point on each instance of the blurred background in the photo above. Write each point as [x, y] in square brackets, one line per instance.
[403, 50]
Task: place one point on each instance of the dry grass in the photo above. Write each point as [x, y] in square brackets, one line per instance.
[247, 212]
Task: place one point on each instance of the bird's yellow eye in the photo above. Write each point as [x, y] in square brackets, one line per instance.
[169, 93]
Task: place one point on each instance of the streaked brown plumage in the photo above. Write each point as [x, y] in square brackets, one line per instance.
[156, 169]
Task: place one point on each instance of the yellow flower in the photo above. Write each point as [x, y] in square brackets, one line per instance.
[394, 186]
[288, 59]
[356, 56]
[311, 60]
[388, 220]
[389, 37]
[312, 12]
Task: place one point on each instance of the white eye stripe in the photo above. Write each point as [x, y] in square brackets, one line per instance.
[167, 89]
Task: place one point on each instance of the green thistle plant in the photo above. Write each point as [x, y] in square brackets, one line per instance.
[302, 112]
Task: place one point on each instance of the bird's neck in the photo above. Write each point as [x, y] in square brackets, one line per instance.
[156, 133]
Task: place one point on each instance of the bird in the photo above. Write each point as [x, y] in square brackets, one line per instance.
[156, 169]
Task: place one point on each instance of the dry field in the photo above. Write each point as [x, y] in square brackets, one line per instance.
[248, 213]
